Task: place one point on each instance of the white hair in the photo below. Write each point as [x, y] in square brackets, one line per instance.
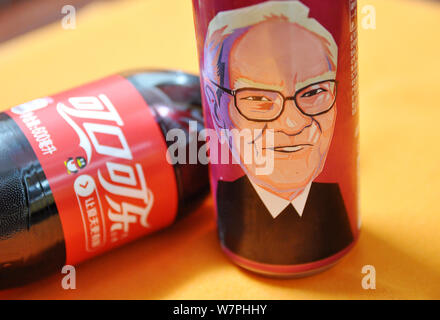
[294, 11]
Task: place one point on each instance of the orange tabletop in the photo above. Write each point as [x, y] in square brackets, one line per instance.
[400, 176]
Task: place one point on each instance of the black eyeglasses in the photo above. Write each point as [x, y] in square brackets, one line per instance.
[267, 105]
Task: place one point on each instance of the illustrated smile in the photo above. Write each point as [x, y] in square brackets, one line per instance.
[289, 149]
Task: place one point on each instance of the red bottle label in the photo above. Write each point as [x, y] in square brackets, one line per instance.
[104, 157]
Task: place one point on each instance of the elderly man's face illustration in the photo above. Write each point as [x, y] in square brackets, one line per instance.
[282, 79]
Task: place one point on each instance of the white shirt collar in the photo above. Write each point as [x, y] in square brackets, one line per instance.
[275, 204]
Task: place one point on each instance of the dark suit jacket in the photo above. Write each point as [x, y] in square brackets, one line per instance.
[247, 228]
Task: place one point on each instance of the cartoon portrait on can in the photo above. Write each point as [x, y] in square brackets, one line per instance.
[273, 68]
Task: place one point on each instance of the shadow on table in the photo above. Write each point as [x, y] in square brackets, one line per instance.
[157, 265]
[397, 273]
[18, 17]
[148, 268]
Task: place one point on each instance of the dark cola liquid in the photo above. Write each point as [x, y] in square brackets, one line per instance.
[31, 236]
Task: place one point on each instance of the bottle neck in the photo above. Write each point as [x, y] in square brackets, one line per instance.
[174, 98]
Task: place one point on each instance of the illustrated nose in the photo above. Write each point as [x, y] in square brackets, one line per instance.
[292, 120]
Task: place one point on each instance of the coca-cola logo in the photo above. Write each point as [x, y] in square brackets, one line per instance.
[127, 199]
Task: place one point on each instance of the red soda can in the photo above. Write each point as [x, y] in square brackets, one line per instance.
[280, 95]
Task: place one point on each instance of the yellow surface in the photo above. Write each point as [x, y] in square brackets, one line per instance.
[400, 68]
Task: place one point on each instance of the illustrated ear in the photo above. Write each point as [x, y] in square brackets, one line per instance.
[214, 105]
